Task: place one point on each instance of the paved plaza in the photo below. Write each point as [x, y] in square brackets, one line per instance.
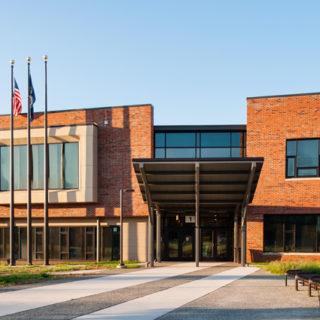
[172, 291]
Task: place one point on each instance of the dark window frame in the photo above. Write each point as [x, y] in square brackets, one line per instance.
[285, 232]
[296, 168]
[198, 148]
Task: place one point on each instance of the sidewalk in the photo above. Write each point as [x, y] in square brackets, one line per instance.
[180, 291]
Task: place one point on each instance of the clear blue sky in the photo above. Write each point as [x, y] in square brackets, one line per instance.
[195, 61]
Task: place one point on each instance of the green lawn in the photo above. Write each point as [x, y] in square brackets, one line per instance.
[277, 267]
[26, 274]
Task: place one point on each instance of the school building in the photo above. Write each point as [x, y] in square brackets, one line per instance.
[246, 193]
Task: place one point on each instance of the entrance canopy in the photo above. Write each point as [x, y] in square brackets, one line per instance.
[195, 186]
[167, 185]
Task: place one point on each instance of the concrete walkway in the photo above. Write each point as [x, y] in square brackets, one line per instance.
[180, 291]
[46, 295]
[160, 303]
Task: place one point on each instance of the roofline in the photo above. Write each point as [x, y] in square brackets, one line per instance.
[237, 127]
[285, 95]
[85, 109]
[202, 160]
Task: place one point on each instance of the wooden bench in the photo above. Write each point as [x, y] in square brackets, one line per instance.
[291, 274]
[306, 278]
[315, 283]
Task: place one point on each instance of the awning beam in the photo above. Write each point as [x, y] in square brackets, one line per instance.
[244, 215]
[148, 195]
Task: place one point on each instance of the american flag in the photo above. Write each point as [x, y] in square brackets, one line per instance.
[17, 102]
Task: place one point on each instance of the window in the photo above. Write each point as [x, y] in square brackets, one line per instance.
[199, 144]
[302, 158]
[55, 165]
[71, 166]
[185, 139]
[292, 233]
[20, 167]
[66, 243]
[5, 168]
[37, 166]
[63, 166]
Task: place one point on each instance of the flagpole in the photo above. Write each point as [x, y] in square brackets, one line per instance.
[29, 223]
[45, 206]
[12, 240]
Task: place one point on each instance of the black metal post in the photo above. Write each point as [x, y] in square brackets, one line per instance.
[98, 255]
[45, 203]
[12, 240]
[121, 264]
[29, 223]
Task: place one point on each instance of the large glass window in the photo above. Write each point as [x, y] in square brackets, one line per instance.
[20, 167]
[37, 166]
[5, 168]
[199, 144]
[291, 233]
[71, 165]
[181, 152]
[55, 165]
[306, 233]
[302, 158]
[273, 233]
[159, 139]
[215, 139]
[76, 243]
[63, 166]
[185, 139]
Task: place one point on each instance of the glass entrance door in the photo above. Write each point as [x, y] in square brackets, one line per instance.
[215, 244]
[207, 244]
[179, 244]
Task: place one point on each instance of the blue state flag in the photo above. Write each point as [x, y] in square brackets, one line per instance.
[32, 98]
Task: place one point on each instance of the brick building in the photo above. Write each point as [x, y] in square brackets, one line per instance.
[287, 199]
[249, 193]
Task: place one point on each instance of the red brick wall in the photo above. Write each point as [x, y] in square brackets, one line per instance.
[128, 135]
[270, 122]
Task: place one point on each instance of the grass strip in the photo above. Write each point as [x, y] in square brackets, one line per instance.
[280, 268]
[65, 267]
[19, 278]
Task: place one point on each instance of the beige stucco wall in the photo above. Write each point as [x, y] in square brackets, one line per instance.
[86, 135]
[135, 235]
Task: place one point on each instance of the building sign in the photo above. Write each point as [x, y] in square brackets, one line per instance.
[190, 219]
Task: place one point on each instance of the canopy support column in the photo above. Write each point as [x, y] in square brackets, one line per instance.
[151, 216]
[244, 215]
[236, 236]
[150, 241]
[243, 238]
[158, 235]
[197, 226]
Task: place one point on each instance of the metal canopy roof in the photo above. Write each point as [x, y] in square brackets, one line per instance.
[168, 184]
